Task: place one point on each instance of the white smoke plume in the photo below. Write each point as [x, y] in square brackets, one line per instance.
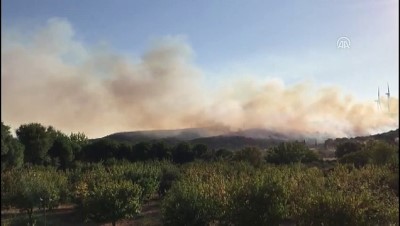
[50, 78]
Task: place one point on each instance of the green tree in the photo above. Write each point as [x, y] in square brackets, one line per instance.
[182, 153]
[12, 151]
[78, 140]
[169, 175]
[112, 200]
[358, 158]
[373, 152]
[36, 140]
[33, 188]
[141, 151]
[263, 201]
[347, 147]
[124, 151]
[382, 152]
[102, 149]
[159, 151]
[200, 150]
[223, 154]
[62, 149]
[252, 155]
[290, 152]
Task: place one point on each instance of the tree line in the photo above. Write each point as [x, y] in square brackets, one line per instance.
[36, 144]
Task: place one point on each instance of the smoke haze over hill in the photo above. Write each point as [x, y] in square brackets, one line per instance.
[51, 78]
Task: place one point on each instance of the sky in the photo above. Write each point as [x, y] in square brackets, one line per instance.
[201, 62]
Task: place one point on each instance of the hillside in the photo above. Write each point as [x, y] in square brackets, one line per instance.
[217, 137]
[235, 142]
[391, 136]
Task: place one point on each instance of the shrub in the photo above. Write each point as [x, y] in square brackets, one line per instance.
[112, 200]
[32, 188]
[168, 176]
[262, 200]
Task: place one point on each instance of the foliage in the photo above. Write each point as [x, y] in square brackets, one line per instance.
[78, 141]
[260, 200]
[12, 151]
[223, 154]
[219, 193]
[160, 151]
[106, 186]
[169, 175]
[62, 149]
[100, 150]
[252, 155]
[358, 158]
[347, 147]
[224, 194]
[374, 152]
[145, 175]
[31, 188]
[352, 197]
[200, 150]
[36, 140]
[112, 200]
[182, 153]
[382, 152]
[290, 152]
[141, 151]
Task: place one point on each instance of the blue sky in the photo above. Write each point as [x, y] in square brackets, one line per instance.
[293, 41]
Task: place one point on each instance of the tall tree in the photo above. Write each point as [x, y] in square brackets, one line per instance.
[78, 141]
[102, 149]
[223, 154]
[141, 151]
[290, 152]
[182, 153]
[347, 147]
[200, 150]
[159, 150]
[252, 155]
[36, 140]
[12, 151]
[62, 150]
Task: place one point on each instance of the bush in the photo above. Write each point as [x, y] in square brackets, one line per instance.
[223, 194]
[112, 200]
[347, 147]
[194, 202]
[262, 200]
[252, 155]
[34, 188]
[352, 197]
[168, 176]
[292, 152]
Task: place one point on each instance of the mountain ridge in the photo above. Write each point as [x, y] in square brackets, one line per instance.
[223, 137]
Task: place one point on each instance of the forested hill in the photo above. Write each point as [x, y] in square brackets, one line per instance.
[390, 137]
[235, 142]
[213, 142]
[223, 138]
[169, 135]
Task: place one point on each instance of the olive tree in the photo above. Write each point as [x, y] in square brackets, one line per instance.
[32, 188]
[112, 200]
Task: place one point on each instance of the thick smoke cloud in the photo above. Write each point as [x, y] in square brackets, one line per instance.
[51, 78]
